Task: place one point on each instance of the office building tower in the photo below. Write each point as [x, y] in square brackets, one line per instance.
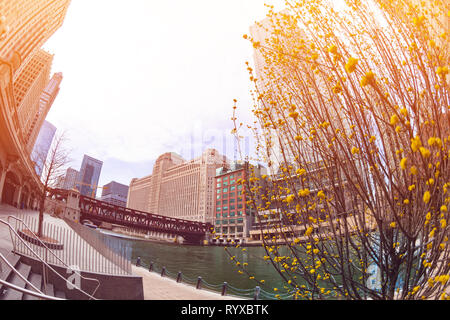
[42, 146]
[89, 176]
[178, 188]
[115, 193]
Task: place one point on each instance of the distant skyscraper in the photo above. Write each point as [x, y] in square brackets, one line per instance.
[115, 193]
[42, 146]
[72, 176]
[89, 176]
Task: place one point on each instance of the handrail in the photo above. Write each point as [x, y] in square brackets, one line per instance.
[45, 263]
[29, 292]
[18, 273]
[55, 255]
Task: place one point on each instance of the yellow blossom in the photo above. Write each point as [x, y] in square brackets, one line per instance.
[426, 196]
[403, 163]
[425, 152]
[394, 120]
[350, 66]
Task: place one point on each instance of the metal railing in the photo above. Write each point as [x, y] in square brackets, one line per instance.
[47, 266]
[224, 288]
[114, 255]
[29, 292]
[13, 269]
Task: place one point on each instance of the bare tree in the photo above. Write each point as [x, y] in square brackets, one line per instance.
[52, 166]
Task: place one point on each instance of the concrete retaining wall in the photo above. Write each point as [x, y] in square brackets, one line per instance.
[112, 287]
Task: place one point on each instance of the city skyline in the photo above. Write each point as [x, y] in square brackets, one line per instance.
[123, 119]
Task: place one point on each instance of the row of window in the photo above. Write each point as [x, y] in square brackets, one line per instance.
[232, 188]
[229, 221]
[231, 176]
[229, 195]
[225, 230]
[232, 214]
[232, 207]
[232, 200]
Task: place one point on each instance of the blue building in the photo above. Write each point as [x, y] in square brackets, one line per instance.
[89, 176]
[42, 146]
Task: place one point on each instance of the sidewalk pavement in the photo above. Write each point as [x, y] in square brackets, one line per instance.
[163, 288]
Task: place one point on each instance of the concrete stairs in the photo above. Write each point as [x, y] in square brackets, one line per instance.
[36, 279]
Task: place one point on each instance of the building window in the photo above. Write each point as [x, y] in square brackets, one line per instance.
[217, 215]
[218, 197]
[232, 213]
[240, 229]
[231, 230]
[225, 183]
[232, 221]
[225, 221]
[225, 202]
[232, 188]
[218, 208]
[218, 222]
[218, 190]
[225, 214]
[231, 194]
[240, 220]
[232, 200]
[239, 213]
[232, 207]
[225, 189]
[224, 229]
[225, 208]
[218, 203]
[218, 185]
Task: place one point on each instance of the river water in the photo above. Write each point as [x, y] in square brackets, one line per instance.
[213, 264]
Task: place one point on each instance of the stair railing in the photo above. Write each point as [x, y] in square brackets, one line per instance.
[13, 231]
[18, 273]
[55, 255]
[29, 292]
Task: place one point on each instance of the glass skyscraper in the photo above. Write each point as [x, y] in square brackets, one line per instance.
[89, 176]
[42, 146]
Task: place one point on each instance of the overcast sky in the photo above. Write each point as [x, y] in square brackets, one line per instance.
[151, 77]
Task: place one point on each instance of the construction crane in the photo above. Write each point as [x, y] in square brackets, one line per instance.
[92, 186]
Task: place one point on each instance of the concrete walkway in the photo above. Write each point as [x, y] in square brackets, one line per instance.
[163, 288]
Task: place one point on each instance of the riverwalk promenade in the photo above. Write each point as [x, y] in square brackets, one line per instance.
[164, 288]
[155, 287]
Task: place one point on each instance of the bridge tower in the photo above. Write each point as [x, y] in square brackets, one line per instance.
[72, 209]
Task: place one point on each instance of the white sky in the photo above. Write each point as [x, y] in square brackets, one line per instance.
[151, 77]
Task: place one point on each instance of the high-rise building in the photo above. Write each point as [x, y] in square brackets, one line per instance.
[115, 193]
[70, 179]
[139, 193]
[233, 217]
[45, 102]
[42, 146]
[179, 188]
[28, 87]
[89, 176]
[24, 74]
[25, 26]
